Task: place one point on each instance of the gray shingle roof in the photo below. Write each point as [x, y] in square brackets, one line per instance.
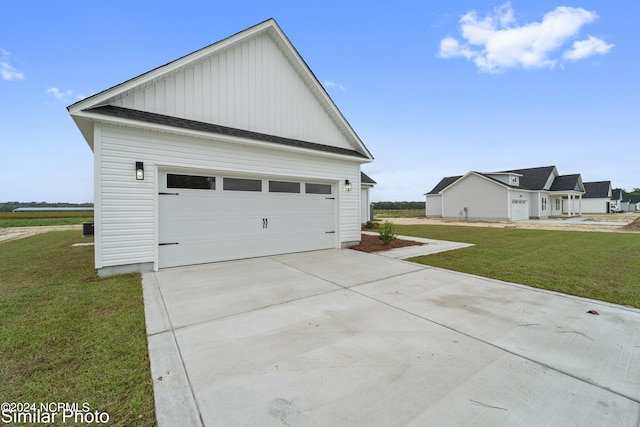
[160, 119]
[597, 190]
[616, 194]
[566, 183]
[444, 183]
[533, 178]
[365, 179]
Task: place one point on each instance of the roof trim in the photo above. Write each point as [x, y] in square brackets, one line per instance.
[192, 125]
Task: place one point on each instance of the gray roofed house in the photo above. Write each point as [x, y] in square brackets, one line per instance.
[510, 195]
[598, 197]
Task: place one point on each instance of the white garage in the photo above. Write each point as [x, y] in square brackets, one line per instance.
[206, 218]
[519, 209]
[233, 151]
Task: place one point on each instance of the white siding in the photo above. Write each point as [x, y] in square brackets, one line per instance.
[128, 207]
[482, 199]
[364, 204]
[434, 205]
[594, 205]
[522, 205]
[250, 86]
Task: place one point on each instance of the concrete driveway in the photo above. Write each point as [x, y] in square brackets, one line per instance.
[344, 338]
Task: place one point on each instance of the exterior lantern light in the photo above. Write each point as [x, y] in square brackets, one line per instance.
[139, 171]
[347, 185]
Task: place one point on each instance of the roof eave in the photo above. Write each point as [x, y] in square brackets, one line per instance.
[86, 117]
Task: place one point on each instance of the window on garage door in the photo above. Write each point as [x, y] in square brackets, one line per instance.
[284, 187]
[240, 184]
[196, 182]
[310, 188]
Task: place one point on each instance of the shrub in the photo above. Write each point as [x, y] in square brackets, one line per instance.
[387, 233]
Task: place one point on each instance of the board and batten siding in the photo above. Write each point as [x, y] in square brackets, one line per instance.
[126, 231]
[251, 86]
[482, 198]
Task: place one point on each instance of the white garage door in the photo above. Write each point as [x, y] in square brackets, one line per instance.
[207, 218]
[519, 210]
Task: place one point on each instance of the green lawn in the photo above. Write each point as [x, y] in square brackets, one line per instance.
[68, 336]
[33, 219]
[398, 213]
[602, 266]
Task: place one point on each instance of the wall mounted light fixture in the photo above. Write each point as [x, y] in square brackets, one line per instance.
[139, 171]
[347, 185]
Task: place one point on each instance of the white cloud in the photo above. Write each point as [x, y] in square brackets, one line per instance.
[586, 48]
[496, 42]
[7, 71]
[328, 84]
[62, 95]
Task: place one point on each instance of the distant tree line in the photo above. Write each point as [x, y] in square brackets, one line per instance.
[398, 205]
[10, 206]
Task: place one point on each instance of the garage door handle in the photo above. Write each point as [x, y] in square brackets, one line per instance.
[169, 194]
[329, 232]
[265, 222]
[167, 244]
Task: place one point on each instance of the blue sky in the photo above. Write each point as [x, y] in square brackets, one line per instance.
[433, 89]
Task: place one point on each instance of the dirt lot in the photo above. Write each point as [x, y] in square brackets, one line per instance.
[14, 233]
[591, 222]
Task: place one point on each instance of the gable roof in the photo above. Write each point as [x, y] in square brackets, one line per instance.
[566, 183]
[597, 190]
[534, 178]
[83, 111]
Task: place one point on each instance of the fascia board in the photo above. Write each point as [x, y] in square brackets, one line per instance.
[217, 137]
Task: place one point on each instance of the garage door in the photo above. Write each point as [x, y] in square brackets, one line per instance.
[519, 210]
[208, 218]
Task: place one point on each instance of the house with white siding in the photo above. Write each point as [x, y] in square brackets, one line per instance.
[233, 151]
[507, 195]
[598, 197]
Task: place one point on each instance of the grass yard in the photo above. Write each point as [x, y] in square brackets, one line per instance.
[33, 219]
[602, 266]
[398, 213]
[67, 335]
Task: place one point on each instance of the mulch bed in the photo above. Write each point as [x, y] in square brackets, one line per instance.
[370, 243]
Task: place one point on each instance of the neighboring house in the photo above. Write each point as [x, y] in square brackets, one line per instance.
[634, 202]
[508, 195]
[617, 202]
[233, 151]
[366, 184]
[597, 197]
